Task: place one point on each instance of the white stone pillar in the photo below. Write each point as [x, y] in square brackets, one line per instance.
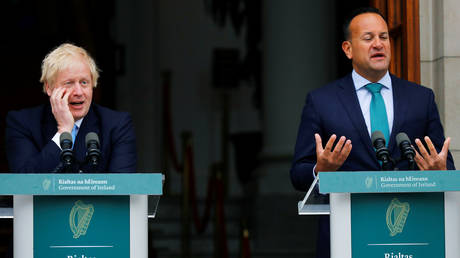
[440, 62]
[299, 45]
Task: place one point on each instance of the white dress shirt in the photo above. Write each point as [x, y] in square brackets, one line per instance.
[365, 97]
[56, 137]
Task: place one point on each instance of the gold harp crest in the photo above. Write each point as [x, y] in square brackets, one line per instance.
[80, 217]
[397, 213]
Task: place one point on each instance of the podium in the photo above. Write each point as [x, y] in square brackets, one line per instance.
[397, 214]
[81, 215]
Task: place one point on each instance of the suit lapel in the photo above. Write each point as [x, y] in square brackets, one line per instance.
[89, 124]
[49, 125]
[399, 111]
[349, 99]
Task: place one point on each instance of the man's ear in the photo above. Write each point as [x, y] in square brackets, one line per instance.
[48, 89]
[346, 47]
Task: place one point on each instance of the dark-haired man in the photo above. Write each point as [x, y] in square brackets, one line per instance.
[367, 100]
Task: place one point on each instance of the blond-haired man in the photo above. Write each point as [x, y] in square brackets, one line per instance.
[69, 75]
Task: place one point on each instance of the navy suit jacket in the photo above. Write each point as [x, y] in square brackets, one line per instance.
[31, 150]
[335, 109]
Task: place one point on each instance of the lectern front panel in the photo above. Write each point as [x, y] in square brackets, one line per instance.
[81, 226]
[397, 225]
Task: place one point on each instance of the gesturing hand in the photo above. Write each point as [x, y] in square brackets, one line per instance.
[60, 108]
[328, 159]
[431, 160]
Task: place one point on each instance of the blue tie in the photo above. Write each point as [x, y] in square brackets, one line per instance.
[74, 134]
[379, 119]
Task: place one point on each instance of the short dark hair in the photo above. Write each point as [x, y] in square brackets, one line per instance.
[353, 14]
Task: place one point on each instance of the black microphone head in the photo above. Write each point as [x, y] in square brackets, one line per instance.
[401, 137]
[66, 143]
[65, 137]
[377, 135]
[381, 152]
[407, 152]
[91, 138]
[93, 154]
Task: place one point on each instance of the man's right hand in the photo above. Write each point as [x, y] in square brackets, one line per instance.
[60, 107]
[328, 159]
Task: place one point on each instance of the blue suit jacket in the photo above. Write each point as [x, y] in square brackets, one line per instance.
[31, 150]
[335, 109]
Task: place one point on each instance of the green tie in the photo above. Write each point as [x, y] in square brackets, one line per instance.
[379, 120]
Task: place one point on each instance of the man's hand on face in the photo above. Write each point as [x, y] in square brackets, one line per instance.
[60, 107]
[431, 159]
[328, 159]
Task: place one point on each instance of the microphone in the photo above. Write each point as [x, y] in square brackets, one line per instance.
[381, 151]
[65, 141]
[407, 152]
[93, 153]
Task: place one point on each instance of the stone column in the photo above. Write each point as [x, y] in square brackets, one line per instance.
[299, 55]
[440, 62]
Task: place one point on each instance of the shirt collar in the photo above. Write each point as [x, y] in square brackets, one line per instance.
[78, 122]
[360, 81]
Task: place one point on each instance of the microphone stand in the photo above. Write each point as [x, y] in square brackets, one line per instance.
[58, 168]
[411, 164]
[389, 165]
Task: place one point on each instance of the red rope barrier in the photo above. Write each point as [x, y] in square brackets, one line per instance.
[214, 186]
[200, 224]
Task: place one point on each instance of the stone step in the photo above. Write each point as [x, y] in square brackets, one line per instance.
[198, 245]
[166, 228]
[254, 254]
[167, 222]
[170, 208]
[276, 230]
[172, 229]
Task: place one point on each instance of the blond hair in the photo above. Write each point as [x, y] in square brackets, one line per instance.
[60, 58]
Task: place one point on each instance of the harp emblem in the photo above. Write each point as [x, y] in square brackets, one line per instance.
[369, 180]
[46, 184]
[397, 213]
[80, 217]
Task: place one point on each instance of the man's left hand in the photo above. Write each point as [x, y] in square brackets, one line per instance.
[431, 159]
